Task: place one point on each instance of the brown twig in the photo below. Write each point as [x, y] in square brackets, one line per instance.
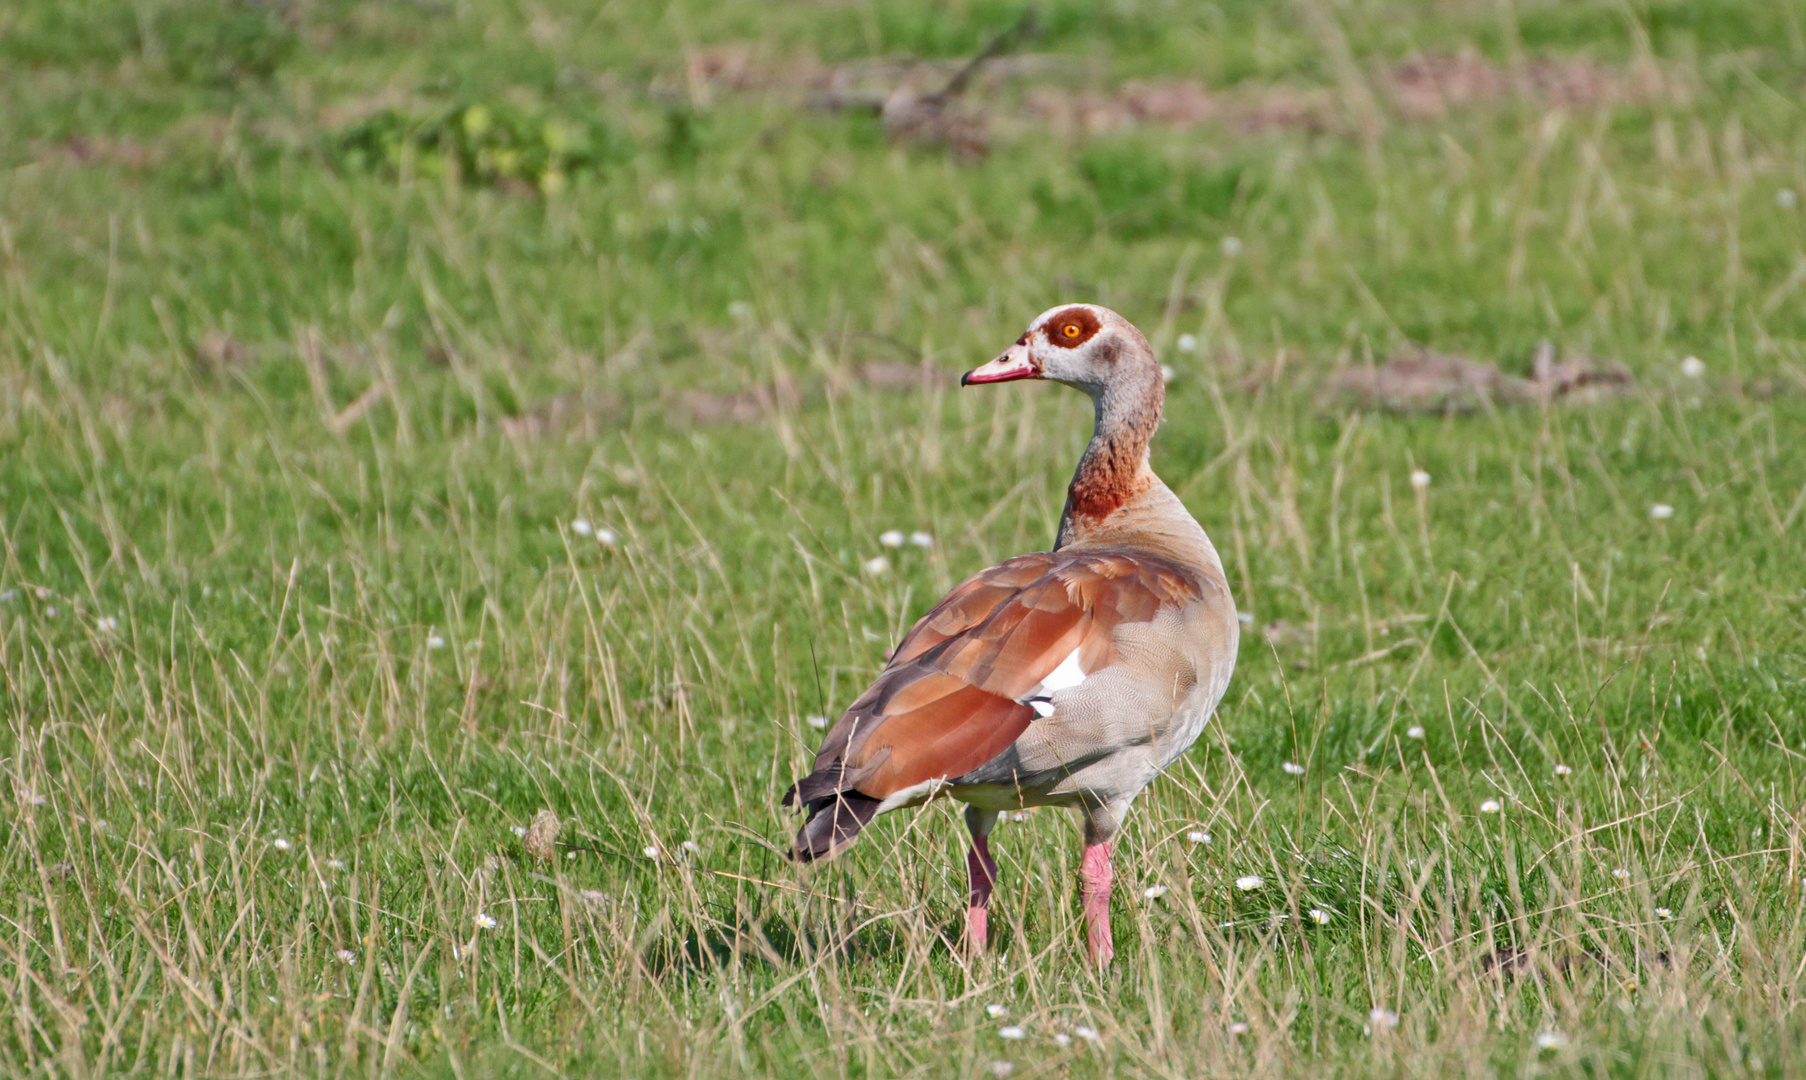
[1024, 28]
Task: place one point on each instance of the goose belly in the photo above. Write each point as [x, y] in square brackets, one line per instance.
[1096, 738]
[1189, 721]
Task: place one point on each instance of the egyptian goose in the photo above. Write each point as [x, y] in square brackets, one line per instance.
[1071, 677]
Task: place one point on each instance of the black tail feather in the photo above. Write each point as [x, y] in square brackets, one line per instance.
[834, 822]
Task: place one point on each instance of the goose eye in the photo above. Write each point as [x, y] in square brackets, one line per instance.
[1071, 330]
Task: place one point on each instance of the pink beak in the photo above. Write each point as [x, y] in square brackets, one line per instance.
[1016, 363]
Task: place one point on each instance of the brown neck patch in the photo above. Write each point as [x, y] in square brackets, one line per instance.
[1109, 475]
[1114, 467]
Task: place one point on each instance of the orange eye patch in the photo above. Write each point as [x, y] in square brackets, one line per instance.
[1073, 327]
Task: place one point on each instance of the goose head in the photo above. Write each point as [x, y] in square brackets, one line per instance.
[1085, 346]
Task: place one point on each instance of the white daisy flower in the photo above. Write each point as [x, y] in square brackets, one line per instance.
[1693, 367]
[1319, 916]
[692, 847]
[435, 642]
[582, 527]
[1239, 1027]
[1250, 882]
[1563, 770]
[650, 851]
[607, 537]
[1550, 1040]
[1232, 246]
[346, 956]
[1153, 892]
[1490, 806]
[996, 1011]
[1089, 1034]
[106, 624]
[1187, 343]
[1001, 1069]
[1198, 836]
[335, 864]
[1414, 732]
[817, 722]
[921, 539]
[1786, 199]
[1167, 373]
[1012, 1032]
[1382, 1019]
[1292, 768]
[1663, 913]
[486, 921]
[891, 538]
[877, 565]
[1062, 1039]
[1661, 511]
[518, 830]
[280, 844]
[1420, 479]
[1621, 874]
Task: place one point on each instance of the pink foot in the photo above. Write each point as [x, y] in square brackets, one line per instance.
[981, 875]
[1098, 875]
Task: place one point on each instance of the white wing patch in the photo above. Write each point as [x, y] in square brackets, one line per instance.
[1068, 674]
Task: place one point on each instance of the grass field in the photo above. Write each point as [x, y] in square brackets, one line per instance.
[415, 416]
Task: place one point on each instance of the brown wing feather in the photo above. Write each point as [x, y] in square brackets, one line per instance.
[939, 738]
[947, 703]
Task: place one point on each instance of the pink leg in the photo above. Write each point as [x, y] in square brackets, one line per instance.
[1098, 875]
[981, 873]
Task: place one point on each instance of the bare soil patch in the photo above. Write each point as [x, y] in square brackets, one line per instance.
[963, 104]
[1421, 380]
[1430, 86]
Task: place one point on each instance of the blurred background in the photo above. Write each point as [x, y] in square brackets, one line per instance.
[419, 414]
[501, 198]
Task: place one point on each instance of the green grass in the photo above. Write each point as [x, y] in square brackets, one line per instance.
[295, 627]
